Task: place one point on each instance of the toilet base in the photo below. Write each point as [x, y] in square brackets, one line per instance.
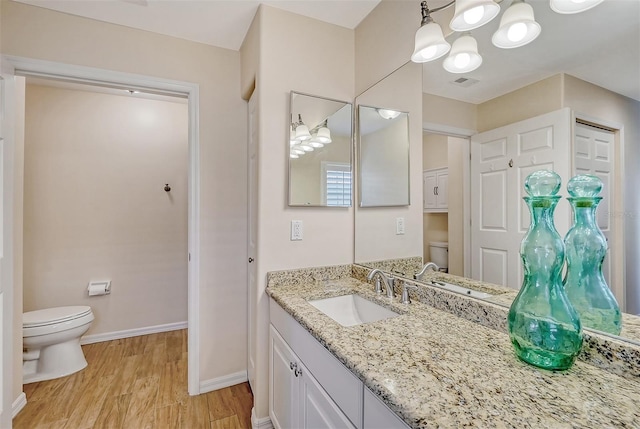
[55, 361]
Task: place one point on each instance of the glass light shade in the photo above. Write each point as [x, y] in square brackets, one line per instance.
[470, 14]
[517, 27]
[324, 135]
[292, 136]
[305, 147]
[294, 156]
[302, 132]
[315, 144]
[430, 44]
[464, 56]
[573, 6]
[388, 113]
[297, 151]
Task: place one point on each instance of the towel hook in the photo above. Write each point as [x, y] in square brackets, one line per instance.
[167, 188]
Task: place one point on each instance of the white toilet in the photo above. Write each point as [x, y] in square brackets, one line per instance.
[439, 252]
[51, 342]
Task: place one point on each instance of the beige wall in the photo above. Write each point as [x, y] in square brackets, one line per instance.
[375, 236]
[530, 101]
[434, 155]
[457, 148]
[95, 208]
[328, 232]
[448, 113]
[34, 32]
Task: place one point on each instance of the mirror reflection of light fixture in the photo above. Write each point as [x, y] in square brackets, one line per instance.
[294, 156]
[305, 147]
[430, 43]
[302, 131]
[517, 26]
[292, 135]
[464, 56]
[388, 113]
[470, 14]
[297, 151]
[324, 133]
[573, 6]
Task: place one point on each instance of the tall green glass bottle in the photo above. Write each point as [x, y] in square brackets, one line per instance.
[543, 326]
[586, 248]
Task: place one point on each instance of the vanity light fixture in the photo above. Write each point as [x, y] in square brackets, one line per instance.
[305, 147]
[323, 135]
[517, 28]
[302, 131]
[573, 6]
[388, 113]
[293, 155]
[464, 56]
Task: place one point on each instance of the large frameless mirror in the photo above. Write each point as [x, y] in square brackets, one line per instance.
[319, 147]
[383, 147]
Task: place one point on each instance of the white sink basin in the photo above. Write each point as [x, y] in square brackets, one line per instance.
[460, 289]
[351, 310]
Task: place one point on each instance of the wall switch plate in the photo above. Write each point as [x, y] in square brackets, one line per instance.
[296, 230]
[399, 226]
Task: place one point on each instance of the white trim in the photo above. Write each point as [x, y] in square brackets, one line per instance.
[136, 332]
[447, 130]
[263, 423]
[97, 76]
[224, 381]
[18, 404]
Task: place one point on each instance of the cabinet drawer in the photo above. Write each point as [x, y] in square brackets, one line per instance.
[378, 416]
[343, 387]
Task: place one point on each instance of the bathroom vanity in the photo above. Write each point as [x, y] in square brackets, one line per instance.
[439, 362]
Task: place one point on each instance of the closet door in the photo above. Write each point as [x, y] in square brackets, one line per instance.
[501, 159]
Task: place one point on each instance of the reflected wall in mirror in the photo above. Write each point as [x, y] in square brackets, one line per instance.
[320, 143]
[383, 161]
[518, 87]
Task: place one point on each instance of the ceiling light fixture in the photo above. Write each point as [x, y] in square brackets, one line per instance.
[302, 131]
[573, 6]
[518, 27]
[323, 134]
[388, 113]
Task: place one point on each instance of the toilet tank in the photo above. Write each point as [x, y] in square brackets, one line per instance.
[439, 251]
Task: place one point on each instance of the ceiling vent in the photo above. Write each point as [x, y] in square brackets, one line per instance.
[464, 82]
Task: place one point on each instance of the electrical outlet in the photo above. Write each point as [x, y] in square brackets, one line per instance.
[296, 230]
[399, 226]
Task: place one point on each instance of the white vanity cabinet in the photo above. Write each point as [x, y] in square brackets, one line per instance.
[378, 416]
[308, 386]
[435, 190]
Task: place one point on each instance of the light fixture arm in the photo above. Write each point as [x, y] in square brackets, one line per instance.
[426, 12]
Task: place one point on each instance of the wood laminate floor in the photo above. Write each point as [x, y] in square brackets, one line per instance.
[133, 383]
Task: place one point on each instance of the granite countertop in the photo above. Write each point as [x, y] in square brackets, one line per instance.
[434, 369]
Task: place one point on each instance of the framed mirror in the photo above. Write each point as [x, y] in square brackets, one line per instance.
[320, 160]
[383, 157]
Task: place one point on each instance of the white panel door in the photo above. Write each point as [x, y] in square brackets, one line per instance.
[593, 154]
[500, 161]
[252, 219]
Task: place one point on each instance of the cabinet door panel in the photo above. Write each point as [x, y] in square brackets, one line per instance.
[317, 410]
[429, 190]
[283, 385]
[442, 189]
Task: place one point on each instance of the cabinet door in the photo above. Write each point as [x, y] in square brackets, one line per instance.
[317, 410]
[429, 190]
[283, 384]
[442, 190]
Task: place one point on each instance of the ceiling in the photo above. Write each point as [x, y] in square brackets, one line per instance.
[601, 45]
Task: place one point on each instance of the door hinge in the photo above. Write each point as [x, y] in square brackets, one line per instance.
[189, 256]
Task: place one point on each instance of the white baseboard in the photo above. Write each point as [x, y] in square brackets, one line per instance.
[18, 404]
[224, 381]
[263, 423]
[117, 335]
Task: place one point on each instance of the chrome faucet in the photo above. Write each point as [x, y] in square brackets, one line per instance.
[389, 282]
[424, 269]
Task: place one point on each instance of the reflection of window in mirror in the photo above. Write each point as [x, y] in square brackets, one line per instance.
[336, 180]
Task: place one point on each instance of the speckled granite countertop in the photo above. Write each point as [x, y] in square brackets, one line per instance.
[435, 369]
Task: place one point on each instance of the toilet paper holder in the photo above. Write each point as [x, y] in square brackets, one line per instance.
[99, 288]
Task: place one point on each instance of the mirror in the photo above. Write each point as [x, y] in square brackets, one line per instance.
[383, 160]
[320, 167]
[571, 64]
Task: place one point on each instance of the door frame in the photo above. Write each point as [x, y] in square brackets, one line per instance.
[96, 76]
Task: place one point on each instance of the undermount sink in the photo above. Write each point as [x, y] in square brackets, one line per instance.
[461, 290]
[351, 310]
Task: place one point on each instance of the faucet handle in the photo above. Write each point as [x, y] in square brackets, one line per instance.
[405, 292]
[378, 286]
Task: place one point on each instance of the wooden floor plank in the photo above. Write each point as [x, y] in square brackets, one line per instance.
[133, 383]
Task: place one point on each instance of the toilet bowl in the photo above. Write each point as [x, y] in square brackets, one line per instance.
[439, 251]
[51, 342]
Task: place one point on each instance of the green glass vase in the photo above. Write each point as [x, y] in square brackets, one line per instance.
[543, 325]
[586, 248]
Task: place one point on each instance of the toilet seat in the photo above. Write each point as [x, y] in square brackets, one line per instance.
[49, 320]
